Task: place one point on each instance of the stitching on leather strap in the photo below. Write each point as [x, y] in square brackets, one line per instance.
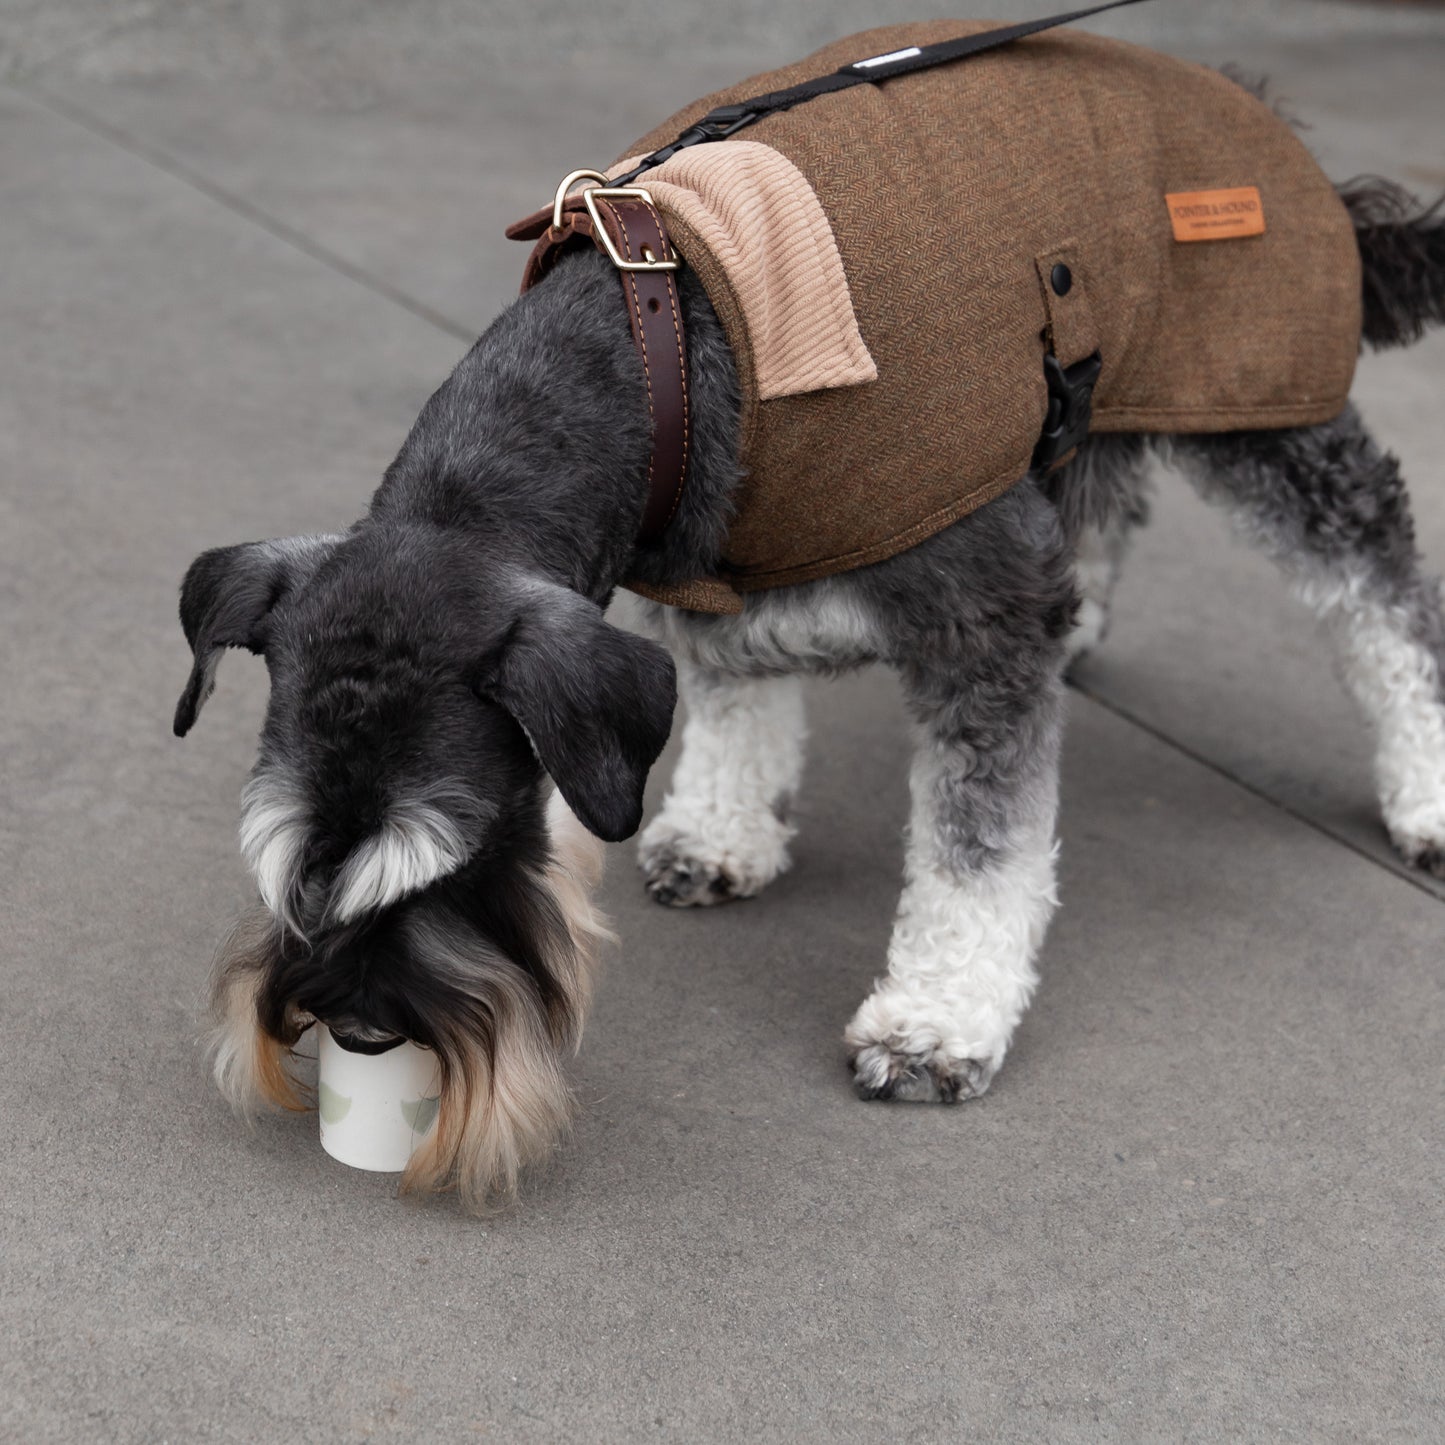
[672, 301]
[630, 285]
[630, 282]
[671, 434]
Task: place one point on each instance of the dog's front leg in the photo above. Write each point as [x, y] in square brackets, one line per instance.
[977, 897]
[725, 826]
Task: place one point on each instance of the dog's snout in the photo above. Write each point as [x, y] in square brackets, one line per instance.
[358, 1038]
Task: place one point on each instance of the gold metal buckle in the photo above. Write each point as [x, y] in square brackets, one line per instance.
[590, 197]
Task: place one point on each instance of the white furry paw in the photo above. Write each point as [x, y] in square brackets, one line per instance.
[906, 1046]
[693, 866]
[1410, 771]
[1427, 854]
[1414, 809]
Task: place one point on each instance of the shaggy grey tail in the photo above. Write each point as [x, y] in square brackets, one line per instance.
[1402, 252]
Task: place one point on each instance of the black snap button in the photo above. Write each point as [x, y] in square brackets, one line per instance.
[1061, 279]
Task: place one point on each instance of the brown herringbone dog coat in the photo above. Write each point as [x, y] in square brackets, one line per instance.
[888, 396]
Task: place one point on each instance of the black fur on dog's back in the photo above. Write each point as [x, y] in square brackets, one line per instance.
[1402, 256]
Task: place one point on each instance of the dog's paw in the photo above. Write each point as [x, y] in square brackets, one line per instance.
[908, 1044]
[1426, 856]
[1417, 826]
[1432, 860]
[1410, 764]
[695, 867]
[681, 882]
[882, 1072]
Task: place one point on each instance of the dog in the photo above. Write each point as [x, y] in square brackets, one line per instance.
[453, 724]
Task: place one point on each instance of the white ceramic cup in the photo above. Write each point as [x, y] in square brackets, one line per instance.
[375, 1109]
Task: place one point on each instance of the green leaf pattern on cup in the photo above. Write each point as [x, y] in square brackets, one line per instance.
[421, 1114]
[334, 1107]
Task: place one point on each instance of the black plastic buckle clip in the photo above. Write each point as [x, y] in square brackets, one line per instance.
[717, 124]
[1071, 394]
[722, 120]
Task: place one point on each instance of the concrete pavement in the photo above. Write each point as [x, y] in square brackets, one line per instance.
[241, 242]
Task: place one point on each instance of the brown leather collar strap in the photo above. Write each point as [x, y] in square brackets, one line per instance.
[637, 235]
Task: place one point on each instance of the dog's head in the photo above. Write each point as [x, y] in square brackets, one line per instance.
[416, 883]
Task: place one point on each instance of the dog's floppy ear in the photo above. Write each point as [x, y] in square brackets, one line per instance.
[226, 597]
[596, 702]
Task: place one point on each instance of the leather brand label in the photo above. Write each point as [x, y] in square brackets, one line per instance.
[1216, 215]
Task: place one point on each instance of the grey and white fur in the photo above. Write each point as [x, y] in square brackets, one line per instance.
[433, 666]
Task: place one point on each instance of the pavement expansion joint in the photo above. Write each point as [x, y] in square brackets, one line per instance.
[1184, 750]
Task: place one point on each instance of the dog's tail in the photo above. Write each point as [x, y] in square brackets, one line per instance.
[1402, 253]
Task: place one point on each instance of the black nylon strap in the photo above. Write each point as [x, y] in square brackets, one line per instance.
[727, 120]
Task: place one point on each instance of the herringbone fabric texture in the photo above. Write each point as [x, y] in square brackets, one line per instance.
[951, 193]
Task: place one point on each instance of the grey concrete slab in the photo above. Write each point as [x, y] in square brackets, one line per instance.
[375, 41]
[1202, 1201]
[36, 33]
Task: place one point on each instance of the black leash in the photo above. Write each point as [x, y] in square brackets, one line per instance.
[727, 120]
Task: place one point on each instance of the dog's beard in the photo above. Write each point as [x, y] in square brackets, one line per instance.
[505, 1100]
[250, 1065]
[501, 1032]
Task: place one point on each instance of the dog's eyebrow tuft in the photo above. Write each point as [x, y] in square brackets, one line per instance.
[274, 820]
[418, 843]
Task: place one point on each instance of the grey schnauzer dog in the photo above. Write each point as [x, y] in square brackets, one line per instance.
[448, 701]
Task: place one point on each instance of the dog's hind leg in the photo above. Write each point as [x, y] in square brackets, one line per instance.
[1101, 495]
[1332, 511]
[725, 826]
[1098, 558]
